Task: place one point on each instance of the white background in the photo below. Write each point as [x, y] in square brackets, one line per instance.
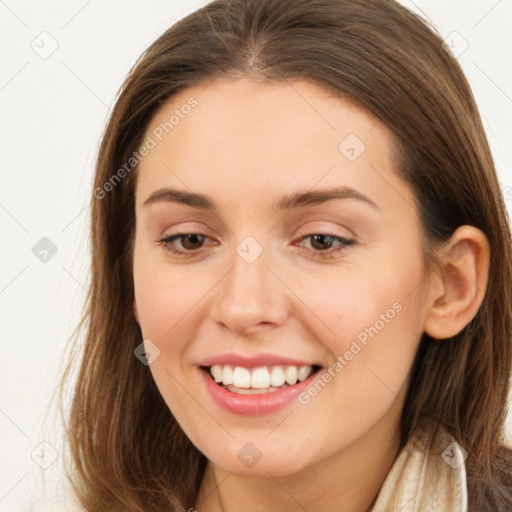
[53, 113]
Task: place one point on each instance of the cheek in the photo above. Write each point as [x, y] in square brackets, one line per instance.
[166, 304]
[345, 304]
[374, 323]
[164, 298]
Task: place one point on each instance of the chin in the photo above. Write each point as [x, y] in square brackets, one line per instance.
[260, 459]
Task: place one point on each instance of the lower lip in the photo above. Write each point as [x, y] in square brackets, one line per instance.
[250, 405]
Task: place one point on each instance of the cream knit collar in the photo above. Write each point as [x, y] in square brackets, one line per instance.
[429, 475]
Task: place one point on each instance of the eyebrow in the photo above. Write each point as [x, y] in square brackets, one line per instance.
[289, 202]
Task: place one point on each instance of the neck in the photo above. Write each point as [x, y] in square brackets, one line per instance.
[349, 480]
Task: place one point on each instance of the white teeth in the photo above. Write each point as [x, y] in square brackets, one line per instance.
[216, 371]
[304, 372]
[260, 378]
[227, 375]
[277, 377]
[241, 377]
[291, 373]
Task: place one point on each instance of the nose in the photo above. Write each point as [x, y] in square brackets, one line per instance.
[250, 297]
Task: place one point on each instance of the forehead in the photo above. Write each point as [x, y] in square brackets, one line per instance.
[255, 112]
[240, 138]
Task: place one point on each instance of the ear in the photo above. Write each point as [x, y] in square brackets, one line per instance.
[459, 285]
[135, 312]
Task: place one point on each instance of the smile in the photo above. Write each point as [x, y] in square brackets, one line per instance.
[257, 390]
[262, 379]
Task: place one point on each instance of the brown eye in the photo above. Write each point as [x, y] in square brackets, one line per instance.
[322, 243]
[190, 243]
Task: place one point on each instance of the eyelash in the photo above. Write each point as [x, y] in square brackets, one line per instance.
[168, 240]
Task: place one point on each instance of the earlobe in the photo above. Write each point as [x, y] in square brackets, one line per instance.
[460, 283]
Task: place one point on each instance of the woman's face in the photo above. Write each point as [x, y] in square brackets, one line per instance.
[273, 279]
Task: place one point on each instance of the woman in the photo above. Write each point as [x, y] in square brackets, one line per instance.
[232, 359]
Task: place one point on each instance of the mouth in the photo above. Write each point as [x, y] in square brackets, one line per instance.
[260, 379]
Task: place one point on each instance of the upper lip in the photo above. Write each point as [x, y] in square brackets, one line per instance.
[252, 361]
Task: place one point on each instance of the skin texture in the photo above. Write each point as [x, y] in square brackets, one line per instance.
[246, 145]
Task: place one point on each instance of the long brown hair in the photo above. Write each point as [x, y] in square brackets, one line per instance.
[127, 450]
